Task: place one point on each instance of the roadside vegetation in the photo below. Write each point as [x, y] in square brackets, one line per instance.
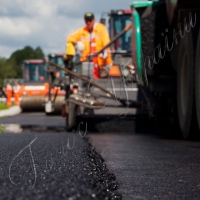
[1, 129]
[10, 68]
[3, 106]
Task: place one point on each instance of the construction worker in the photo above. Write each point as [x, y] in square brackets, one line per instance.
[4, 92]
[9, 94]
[90, 39]
[16, 91]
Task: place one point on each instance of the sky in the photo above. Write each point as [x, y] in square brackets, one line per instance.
[46, 23]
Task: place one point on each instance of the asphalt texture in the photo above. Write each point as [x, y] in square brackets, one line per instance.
[138, 164]
[37, 118]
[151, 166]
[53, 166]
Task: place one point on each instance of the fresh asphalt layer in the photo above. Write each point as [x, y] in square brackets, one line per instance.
[53, 166]
[146, 165]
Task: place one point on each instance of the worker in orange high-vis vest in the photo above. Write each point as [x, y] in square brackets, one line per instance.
[9, 94]
[90, 39]
[16, 92]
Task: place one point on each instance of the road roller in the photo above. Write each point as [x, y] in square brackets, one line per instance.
[56, 93]
[35, 87]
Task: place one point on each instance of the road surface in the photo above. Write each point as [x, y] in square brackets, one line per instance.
[111, 162]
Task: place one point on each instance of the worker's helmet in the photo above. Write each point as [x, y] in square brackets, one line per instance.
[89, 16]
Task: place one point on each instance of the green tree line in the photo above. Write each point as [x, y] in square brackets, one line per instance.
[11, 67]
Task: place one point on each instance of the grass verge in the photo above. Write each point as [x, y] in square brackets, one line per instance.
[4, 107]
[1, 129]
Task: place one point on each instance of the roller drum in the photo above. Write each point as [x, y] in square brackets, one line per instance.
[32, 103]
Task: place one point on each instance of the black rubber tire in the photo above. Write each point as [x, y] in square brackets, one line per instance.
[197, 80]
[71, 118]
[185, 86]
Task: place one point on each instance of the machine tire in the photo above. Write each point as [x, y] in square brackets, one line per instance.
[71, 118]
[185, 86]
[197, 80]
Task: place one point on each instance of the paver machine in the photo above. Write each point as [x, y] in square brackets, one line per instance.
[35, 85]
[117, 21]
[165, 43]
[165, 52]
[86, 94]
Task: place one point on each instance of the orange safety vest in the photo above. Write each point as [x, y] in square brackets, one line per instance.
[101, 39]
[9, 95]
[16, 90]
[95, 60]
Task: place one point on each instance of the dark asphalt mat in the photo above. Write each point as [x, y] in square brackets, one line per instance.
[53, 166]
